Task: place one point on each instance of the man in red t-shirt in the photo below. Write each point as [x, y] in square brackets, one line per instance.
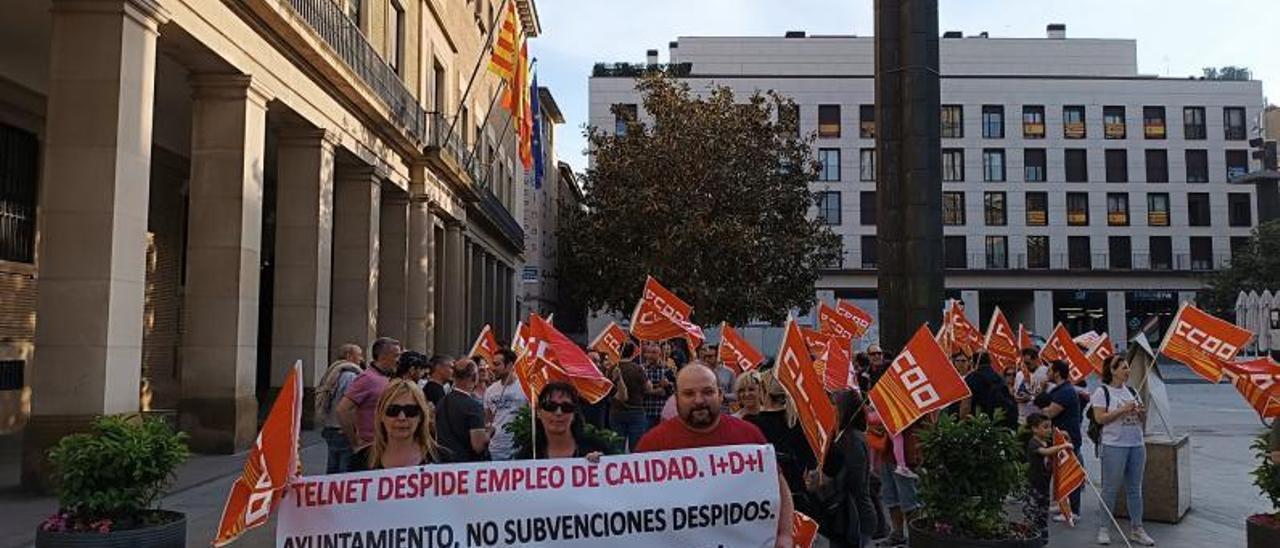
[699, 423]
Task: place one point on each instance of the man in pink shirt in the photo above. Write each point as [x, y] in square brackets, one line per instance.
[359, 404]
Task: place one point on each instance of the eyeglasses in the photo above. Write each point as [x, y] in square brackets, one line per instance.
[563, 407]
[410, 411]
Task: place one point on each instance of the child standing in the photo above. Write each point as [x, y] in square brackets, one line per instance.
[1040, 468]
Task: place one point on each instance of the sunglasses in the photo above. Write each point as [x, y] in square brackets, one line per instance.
[410, 411]
[563, 407]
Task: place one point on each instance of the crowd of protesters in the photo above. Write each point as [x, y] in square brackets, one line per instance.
[404, 408]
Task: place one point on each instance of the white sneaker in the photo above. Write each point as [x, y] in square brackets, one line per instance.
[1063, 518]
[1139, 536]
[1104, 537]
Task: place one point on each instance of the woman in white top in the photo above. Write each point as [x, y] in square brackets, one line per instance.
[1124, 455]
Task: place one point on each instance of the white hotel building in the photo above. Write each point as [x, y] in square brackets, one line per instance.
[1075, 188]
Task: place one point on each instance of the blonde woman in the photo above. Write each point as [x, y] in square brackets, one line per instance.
[404, 434]
[777, 420]
[747, 388]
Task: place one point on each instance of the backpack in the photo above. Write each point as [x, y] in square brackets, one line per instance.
[1094, 431]
[326, 393]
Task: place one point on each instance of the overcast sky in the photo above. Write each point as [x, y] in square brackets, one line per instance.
[1175, 37]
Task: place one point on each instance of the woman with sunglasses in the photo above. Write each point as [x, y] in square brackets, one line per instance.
[404, 434]
[560, 434]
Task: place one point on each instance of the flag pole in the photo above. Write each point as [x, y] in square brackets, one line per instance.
[488, 45]
[502, 86]
[1107, 509]
[533, 422]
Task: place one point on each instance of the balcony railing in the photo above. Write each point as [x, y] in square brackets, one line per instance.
[632, 70]
[342, 34]
[497, 213]
[1100, 262]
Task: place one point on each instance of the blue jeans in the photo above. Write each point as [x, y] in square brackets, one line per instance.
[897, 491]
[339, 460]
[631, 424]
[1123, 466]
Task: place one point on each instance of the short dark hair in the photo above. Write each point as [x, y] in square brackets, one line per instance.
[381, 345]
[983, 359]
[1035, 419]
[1029, 352]
[409, 361]
[439, 360]
[508, 357]
[1061, 368]
[1108, 367]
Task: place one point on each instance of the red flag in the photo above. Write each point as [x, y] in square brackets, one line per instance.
[859, 318]
[518, 340]
[550, 344]
[919, 381]
[843, 328]
[959, 333]
[271, 464]
[1202, 342]
[1060, 346]
[804, 385]
[1102, 349]
[1258, 381]
[1001, 344]
[1068, 475]
[486, 344]
[804, 530]
[1024, 338]
[610, 341]
[736, 352]
[661, 315]
[838, 370]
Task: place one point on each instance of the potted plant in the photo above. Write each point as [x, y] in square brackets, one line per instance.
[969, 469]
[108, 483]
[520, 429]
[1263, 530]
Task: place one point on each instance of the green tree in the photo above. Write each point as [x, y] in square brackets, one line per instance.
[1256, 268]
[711, 197]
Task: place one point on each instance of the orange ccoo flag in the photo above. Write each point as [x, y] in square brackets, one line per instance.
[804, 385]
[1060, 346]
[958, 333]
[859, 318]
[661, 315]
[486, 344]
[804, 530]
[837, 367]
[736, 352]
[1068, 474]
[1024, 338]
[843, 328]
[271, 464]
[610, 341]
[1102, 349]
[1001, 344]
[1202, 342]
[549, 344]
[1259, 382]
[920, 380]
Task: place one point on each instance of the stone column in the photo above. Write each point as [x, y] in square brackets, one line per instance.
[303, 258]
[1117, 313]
[393, 265]
[93, 220]
[219, 407]
[1044, 323]
[357, 205]
[454, 313]
[973, 308]
[420, 291]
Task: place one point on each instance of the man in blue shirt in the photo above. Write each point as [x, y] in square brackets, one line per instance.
[1062, 405]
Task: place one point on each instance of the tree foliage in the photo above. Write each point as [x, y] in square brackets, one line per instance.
[1227, 73]
[1256, 268]
[711, 196]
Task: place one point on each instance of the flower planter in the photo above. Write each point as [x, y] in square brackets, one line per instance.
[921, 536]
[1262, 531]
[171, 534]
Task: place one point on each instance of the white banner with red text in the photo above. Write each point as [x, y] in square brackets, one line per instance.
[718, 496]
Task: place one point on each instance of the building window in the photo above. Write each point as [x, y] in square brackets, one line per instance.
[1120, 251]
[953, 165]
[396, 37]
[19, 161]
[1239, 245]
[1037, 252]
[1157, 165]
[869, 244]
[1117, 209]
[992, 122]
[828, 164]
[1198, 209]
[1193, 127]
[1201, 253]
[993, 165]
[867, 208]
[1153, 124]
[993, 207]
[867, 121]
[1033, 165]
[953, 208]
[789, 118]
[1037, 209]
[1078, 253]
[1077, 166]
[829, 206]
[1239, 209]
[1117, 165]
[1033, 122]
[952, 121]
[1161, 248]
[1077, 209]
[1233, 123]
[829, 121]
[867, 164]
[354, 10]
[1237, 164]
[1197, 166]
[997, 252]
[623, 116]
[955, 252]
[1113, 125]
[1073, 126]
[1158, 209]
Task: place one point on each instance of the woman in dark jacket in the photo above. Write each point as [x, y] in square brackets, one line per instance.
[561, 431]
[849, 517]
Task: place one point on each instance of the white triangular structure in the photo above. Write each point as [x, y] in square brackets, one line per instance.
[1145, 377]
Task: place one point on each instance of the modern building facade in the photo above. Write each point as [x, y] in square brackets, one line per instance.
[1076, 189]
[196, 194]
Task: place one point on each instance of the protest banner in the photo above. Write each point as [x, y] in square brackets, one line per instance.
[805, 385]
[1061, 346]
[736, 352]
[803, 530]
[1202, 342]
[661, 315]
[920, 380]
[609, 342]
[1068, 474]
[270, 465]
[860, 319]
[486, 345]
[1258, 381]
[1001, 344]
[716, 496]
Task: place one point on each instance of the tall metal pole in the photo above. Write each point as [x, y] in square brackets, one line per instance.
[488, 43]
[908, 171]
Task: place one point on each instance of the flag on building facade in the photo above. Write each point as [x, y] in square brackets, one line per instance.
[804, 385]
[736, 352]
[919, 381]
[1258, 381]
[503, 58]
[1202, 342]
[536, 133]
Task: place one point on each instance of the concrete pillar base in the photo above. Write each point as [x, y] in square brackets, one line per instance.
[1166, 485]
[219, 425]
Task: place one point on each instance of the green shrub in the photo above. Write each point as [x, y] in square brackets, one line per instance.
[1267, 475]
[519, 427]
[970, 468]
[117, 470]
